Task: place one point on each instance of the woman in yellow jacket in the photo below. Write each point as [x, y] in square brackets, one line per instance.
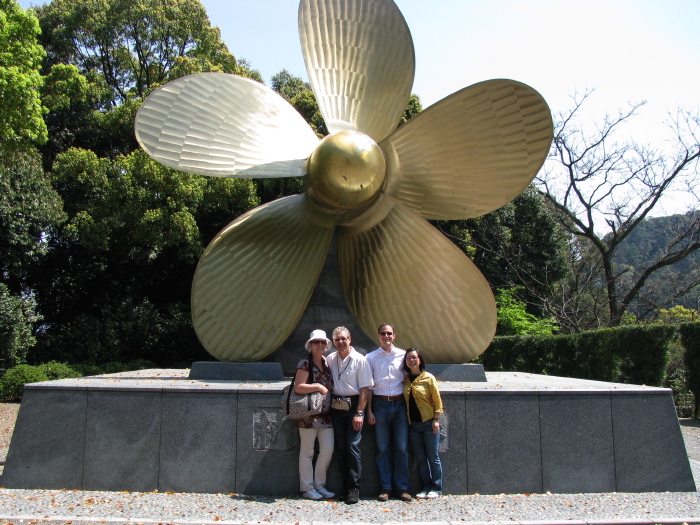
[424, 408]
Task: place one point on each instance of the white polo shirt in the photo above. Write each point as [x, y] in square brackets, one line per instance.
[349, 374]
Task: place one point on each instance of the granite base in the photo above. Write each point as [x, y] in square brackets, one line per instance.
[515, 433]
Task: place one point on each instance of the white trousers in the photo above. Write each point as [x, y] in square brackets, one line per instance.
[308, 476]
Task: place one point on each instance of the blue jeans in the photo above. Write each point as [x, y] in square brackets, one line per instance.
[391, 430]
[425, 448]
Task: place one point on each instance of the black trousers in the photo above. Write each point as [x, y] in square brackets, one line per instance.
[347, 446]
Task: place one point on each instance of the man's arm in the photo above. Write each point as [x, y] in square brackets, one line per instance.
[370, 415]
[359, 418]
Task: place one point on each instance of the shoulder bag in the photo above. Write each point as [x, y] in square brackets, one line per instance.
[300, 406]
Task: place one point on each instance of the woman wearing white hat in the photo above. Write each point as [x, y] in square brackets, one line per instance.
[313, 375]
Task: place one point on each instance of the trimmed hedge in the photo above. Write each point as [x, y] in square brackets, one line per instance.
[12, 383]
[635, 354]
[690, 338]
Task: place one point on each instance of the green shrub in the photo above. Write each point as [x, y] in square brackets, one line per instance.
[113, 367]
[140, 364]
[12, 383]
[677, 378]
[17, 319]
[55, 370]
[644, 353]
[514, 319]
[690, 337]
[87, 370]
[635, 354]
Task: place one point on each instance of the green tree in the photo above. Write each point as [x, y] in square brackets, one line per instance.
[129, 246]
[676, 315]
[21, 112]
[105, 56]
[520, 245]
[118, 269]
[413, 107]
[17, 320]
[75, 116]
[288, 85]
[133, 44]
[514, 319]
[30, 210]
[604, 187]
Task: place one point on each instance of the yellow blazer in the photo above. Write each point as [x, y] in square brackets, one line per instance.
[426, 393]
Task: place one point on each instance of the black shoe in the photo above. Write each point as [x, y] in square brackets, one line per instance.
[353, 496]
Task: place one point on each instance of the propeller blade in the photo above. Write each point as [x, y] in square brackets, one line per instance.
[224, 125]
[256, 277]
[404, 272]
[360, 61]
[470, 153]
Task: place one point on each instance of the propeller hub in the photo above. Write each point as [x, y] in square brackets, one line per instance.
[346, 170]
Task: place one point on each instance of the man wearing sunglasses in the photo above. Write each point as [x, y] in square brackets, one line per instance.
[352, 380]
[386, 410]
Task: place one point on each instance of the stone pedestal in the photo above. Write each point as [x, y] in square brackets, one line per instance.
[216, 370]
[514, 433]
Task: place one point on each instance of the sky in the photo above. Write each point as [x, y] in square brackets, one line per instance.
[626, 50]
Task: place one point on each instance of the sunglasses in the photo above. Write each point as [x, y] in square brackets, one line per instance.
[386, 334]
[341, 339]
[319, 342]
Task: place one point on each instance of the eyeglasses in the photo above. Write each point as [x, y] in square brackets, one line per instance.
[319, 342]
[411, 358]
[340, 339]
[386, 334]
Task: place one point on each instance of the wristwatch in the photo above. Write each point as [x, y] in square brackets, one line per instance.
[360, 413]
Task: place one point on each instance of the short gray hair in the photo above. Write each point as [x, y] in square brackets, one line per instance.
[341, 329]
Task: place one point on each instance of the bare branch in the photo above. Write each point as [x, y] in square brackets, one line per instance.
[604, 187]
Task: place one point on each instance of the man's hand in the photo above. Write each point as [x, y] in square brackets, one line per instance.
[370, 418]
[358, 421]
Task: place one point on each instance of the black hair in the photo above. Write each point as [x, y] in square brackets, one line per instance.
[421, 362]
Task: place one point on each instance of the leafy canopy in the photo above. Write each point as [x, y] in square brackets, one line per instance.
[513, 318]
[21, 112]
[135, 45]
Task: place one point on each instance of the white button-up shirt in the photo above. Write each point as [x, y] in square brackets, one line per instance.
[387, 371]
[349, 374]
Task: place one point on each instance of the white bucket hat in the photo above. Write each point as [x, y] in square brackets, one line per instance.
[318, 334]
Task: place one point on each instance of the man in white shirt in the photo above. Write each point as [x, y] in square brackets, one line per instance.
[386, 410]
[352, 381]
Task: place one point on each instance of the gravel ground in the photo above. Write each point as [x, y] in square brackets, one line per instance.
[47, 507]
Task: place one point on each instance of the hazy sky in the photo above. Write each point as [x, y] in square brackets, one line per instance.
[629, 50]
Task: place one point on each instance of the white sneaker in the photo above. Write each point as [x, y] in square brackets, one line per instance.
[312, 494]
[327, 494]
[432, 495]
[422, 495]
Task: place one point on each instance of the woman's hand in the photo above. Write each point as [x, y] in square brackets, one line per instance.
[436, 426]
[322, 389]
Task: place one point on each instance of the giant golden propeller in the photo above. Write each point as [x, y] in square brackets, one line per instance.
[374, 184]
